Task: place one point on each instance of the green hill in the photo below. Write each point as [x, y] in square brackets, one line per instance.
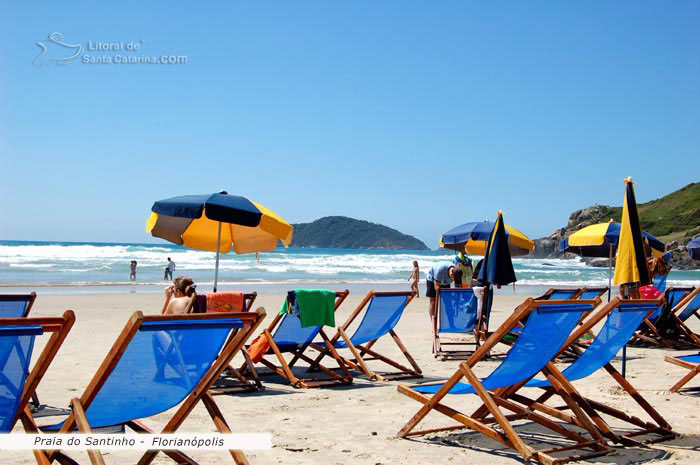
[340, 232]
[675, 216]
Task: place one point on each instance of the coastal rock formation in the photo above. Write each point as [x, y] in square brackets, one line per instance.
[674, 219]
[341, 232]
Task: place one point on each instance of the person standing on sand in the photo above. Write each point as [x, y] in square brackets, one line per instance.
[440, 275]
[169, 270]
[464, 263]
[132, 276]
[415, 276]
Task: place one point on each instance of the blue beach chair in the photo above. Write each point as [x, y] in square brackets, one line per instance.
[651, 331]
[687, 307]
[590, 293]
[286, 336]
[16, 305]
[18, 381]
[623, 318]
[456, 316]
[690, 363]
[382, 311]
[548, 326]
[158, 363]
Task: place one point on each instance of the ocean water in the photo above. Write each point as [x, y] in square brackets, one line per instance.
[91, 267]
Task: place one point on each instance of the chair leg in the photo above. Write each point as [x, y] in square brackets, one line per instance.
[221, 425]
[84, 427]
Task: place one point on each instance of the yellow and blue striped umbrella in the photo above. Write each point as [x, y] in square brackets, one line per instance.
[218, 223]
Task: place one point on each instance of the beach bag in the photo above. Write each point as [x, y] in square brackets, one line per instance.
[649, 293]
[258, 348]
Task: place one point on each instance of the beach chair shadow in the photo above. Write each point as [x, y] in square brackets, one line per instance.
[382, 311]
[285, 336]
[18, 382]
[547, 327]
[159, 363]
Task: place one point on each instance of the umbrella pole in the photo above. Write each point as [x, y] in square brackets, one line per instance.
[610, 273]
[218, 246]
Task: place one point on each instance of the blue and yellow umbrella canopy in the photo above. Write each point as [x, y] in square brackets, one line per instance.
[631, 260]
[193, 221]
[473, 238]
[595, 241]
[497, 267]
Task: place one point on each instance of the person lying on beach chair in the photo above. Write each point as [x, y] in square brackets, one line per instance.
[158, 363]
[180, 297]
[622, 318]
[17, 381]
[548, 326]
[287, 334]
[382, 311]
[457, 315]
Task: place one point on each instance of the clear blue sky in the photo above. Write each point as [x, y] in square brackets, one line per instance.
[417, 115]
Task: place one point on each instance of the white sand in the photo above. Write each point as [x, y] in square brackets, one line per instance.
[355, 424]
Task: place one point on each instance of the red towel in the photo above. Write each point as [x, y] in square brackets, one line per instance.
[225, 302]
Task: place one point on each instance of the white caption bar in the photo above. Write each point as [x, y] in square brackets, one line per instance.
[181, 441]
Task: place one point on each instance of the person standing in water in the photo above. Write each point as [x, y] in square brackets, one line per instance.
[132, 275]
[415, 276]
[169, 270]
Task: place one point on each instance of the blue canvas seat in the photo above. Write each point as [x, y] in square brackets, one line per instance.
[16, 305]
[623, 318]
[18, 380]
[381, 313]
[656, 329]
[547, 328]
[285, 335]
[457, 315]
[159, 363]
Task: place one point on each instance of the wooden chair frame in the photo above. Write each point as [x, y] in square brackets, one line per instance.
[363, 353]
[251, 320]
[31, 297]
[594, 409]
[236, 382]
[58, 327]
[444, 354]
[284, 369]
[650, 333]
[688, 338]
[490, 411]
[693, 371]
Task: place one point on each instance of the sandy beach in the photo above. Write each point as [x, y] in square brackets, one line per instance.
[355, 424]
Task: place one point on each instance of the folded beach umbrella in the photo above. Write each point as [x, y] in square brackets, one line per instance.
[473, 237]
[218, 223]
[694, 248]
[497, 267]
[631, 260]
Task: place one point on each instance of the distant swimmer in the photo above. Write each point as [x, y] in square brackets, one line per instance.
[132, 276]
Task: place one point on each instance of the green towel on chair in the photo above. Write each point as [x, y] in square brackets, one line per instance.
[316, 307]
